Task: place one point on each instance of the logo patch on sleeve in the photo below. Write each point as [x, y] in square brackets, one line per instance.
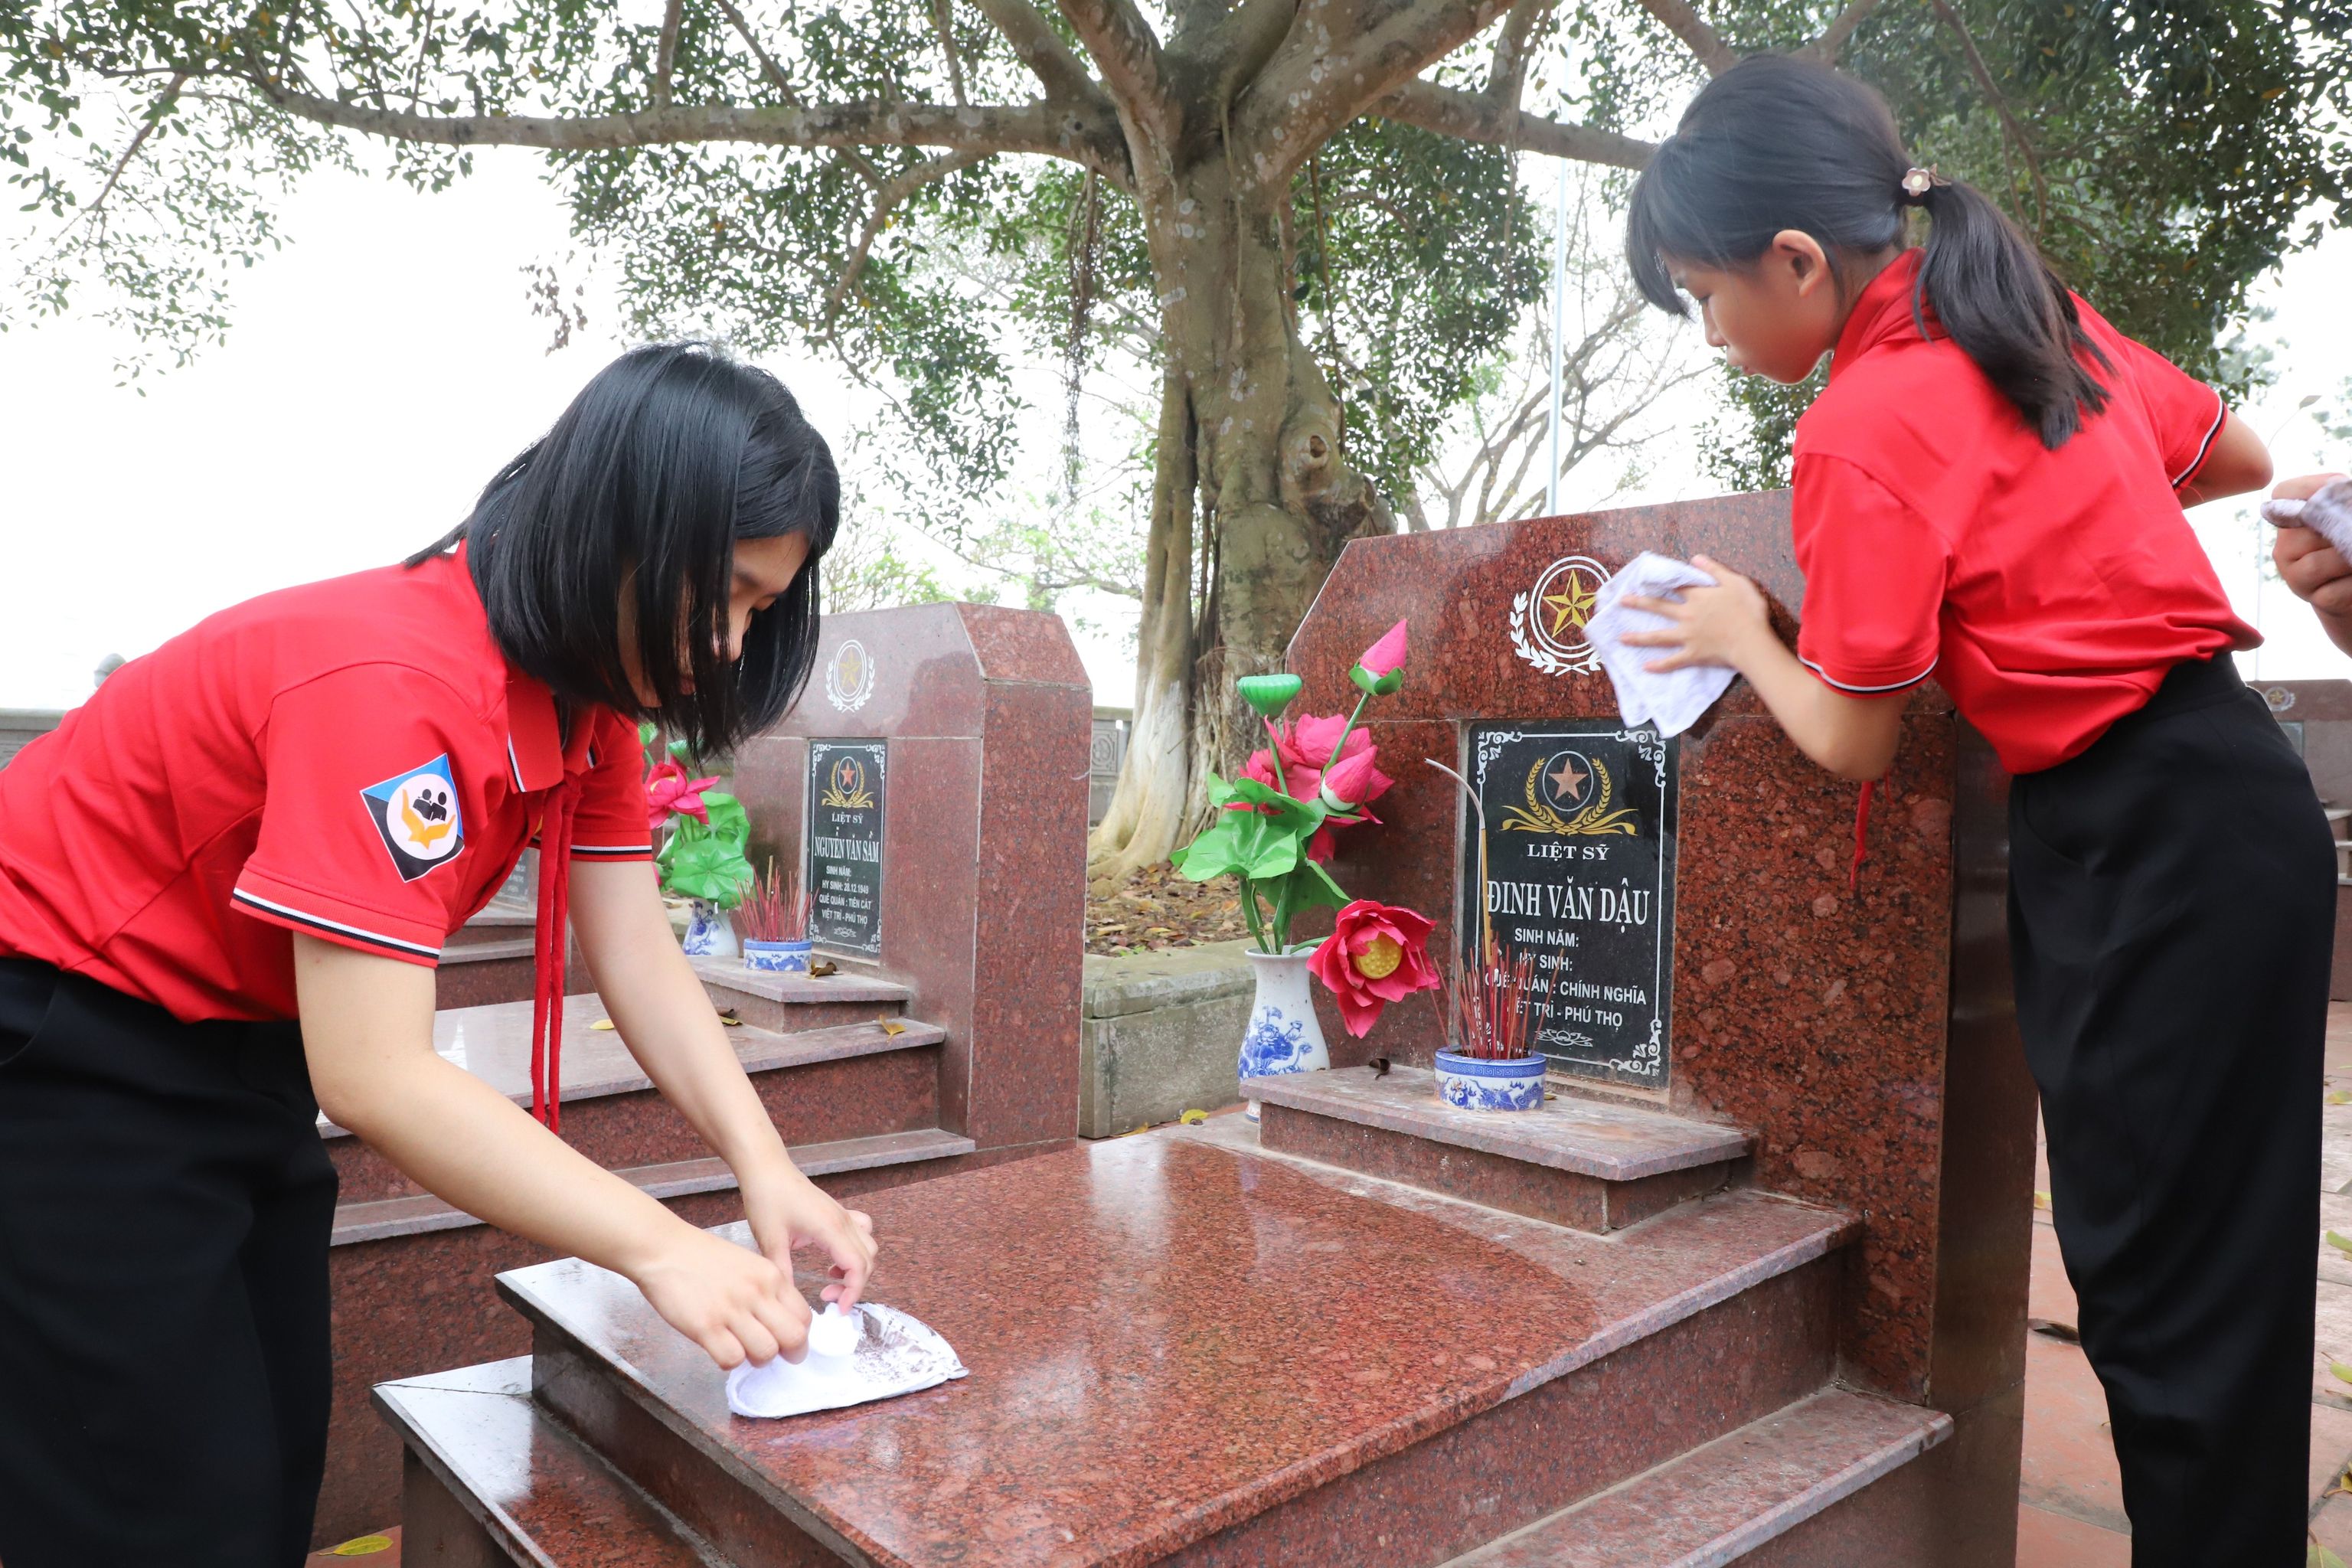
[416, 812]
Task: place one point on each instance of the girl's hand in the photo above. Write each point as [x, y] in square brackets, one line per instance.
[734, 1303]
[787, 1210]
[2314, 569]
[1717, 625]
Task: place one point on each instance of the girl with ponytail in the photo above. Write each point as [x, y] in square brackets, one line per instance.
[1990, 490]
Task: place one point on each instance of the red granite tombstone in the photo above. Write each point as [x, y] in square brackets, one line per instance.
[1860, 1025]
[983, 718]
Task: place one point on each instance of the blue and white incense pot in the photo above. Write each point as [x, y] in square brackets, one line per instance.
[1476, 1083]
[1284, 1034]
[778, 957]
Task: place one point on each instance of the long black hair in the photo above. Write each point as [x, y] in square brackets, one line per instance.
[1778, 144]
[639, 491]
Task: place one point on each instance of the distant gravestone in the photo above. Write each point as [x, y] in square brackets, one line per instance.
[843, 864]
[1106, 754]
[932, 787]
[20, 727]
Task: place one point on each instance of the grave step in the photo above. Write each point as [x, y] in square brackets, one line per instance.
[768, 1000]
[1721, 1504]
[1594, 1164]
[386, 1217]
[490, 1480]
[1183, 1346]
[873, 1077]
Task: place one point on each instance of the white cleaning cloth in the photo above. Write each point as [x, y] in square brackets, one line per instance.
[2329, 512]
[1674, 701]
[869, 1352]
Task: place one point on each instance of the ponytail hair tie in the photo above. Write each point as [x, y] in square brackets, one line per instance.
[1916, 183]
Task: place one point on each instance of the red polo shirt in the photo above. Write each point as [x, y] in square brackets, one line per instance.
[354, 759]
[2048, 592]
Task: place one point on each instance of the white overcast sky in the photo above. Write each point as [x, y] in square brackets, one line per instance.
[381, 368]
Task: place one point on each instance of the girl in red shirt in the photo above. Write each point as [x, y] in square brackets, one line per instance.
[225, 881]
[1990, 490]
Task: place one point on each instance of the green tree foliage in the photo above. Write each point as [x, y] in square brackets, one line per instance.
[1305, 218]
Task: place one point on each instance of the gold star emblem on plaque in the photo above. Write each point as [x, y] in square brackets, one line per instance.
[1569, 606]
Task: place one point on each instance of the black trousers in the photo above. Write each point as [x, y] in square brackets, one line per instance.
[164, 1208]
[2172, 910]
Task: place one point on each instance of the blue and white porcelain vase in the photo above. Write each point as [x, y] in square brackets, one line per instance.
[708, 932]
[777, 957]
[1475, 1083]
[1284, 1034]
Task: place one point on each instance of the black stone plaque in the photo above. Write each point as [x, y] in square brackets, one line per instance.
[844, 855]
[1579, 871]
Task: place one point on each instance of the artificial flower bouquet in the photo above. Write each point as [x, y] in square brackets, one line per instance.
[1276, 828]
[703, 854]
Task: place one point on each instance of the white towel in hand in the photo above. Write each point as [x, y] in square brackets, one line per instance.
[2329, 512]
[1675, 701]
[883, 1353]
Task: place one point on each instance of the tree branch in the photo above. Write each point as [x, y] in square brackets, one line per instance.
[774, 76]
[943, 23]
[1125, 51]
[1826, 49]
[2016, 132]
[94, 215]
[1245, 37]
[1324, 76]
[886, 201]
[665, 53]
[1477, 118]
[769, 68]
[1039, 48]
[1054, 131]
[1507, 76]
[1683, 20]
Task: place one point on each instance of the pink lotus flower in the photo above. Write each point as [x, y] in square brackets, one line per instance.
[1376, 954]
[1352, 781]
[1312, 738]
[1386, 654]
[669, 791]
[1304, 746]
[1298, 781]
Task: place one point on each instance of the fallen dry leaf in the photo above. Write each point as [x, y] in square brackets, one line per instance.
[601, 1024]
[2340, 1097]
[1194, 1118]
[2341, 1243]
[822, 967]
[890, 1026]
[2041, 1202]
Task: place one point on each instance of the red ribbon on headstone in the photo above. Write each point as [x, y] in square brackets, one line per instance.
[1861, 838]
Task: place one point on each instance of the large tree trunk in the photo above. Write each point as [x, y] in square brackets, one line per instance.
[1249, 430]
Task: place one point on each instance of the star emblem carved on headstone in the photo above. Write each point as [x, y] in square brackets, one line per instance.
[1568, 779]
[1569, 606]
